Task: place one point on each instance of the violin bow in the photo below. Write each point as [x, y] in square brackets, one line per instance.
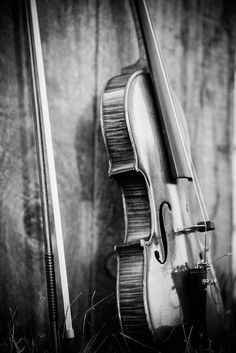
[43, 135]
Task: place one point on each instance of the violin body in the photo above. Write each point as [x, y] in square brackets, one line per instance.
[158, 285]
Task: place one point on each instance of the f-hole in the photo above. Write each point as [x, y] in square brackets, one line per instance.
[163, 234]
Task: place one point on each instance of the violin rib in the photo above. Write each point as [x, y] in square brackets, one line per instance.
[136, 206]
[123, 165]
[115, 131]
[132, 306]
[123, 159]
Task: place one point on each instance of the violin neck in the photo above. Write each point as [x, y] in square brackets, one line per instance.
[150, 57]
[150, 54]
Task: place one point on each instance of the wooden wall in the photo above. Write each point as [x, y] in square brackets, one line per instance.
[84, 44]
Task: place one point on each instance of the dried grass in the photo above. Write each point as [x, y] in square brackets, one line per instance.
[99, 342]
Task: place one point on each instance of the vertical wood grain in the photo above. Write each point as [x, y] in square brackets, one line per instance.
[21, 239]
[198, 43]
[84, 44]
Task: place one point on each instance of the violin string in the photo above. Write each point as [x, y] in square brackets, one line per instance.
[203, 207]
[191, 167]
[192, 170]
[171, 101]
[143, 9]
[199, 191]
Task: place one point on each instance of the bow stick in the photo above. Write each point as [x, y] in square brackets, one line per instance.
[43, 133]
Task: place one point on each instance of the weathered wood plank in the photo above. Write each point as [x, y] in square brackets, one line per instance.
[198, 43]
[70, 51]
[84, 44]
[21, 240]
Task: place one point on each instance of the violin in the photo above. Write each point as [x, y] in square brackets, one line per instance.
[166, 283]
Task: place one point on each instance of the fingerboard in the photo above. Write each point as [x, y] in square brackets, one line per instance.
[151, 59]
